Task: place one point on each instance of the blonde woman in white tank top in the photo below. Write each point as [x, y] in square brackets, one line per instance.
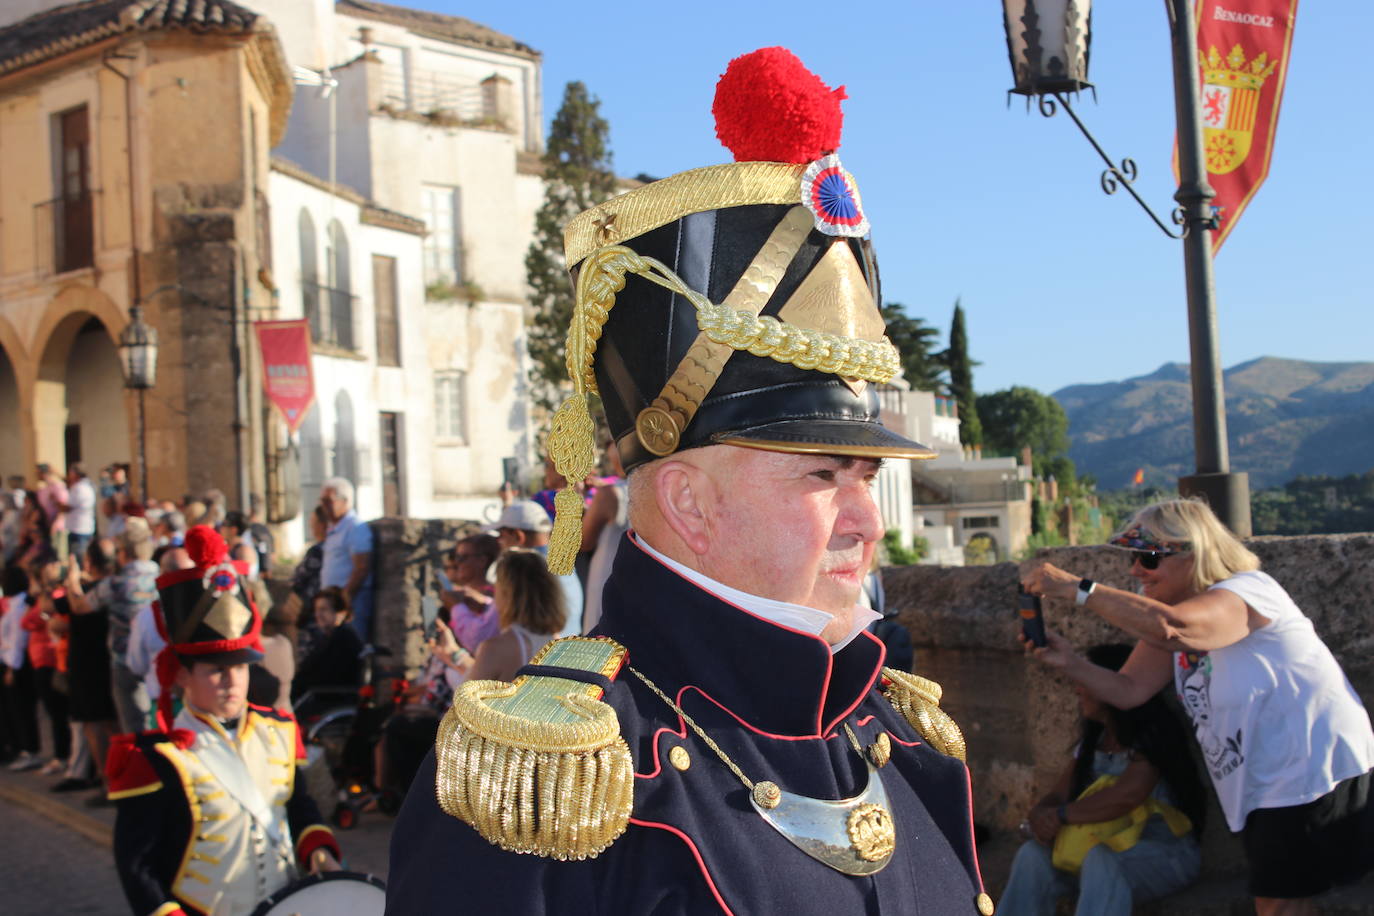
[533, 610]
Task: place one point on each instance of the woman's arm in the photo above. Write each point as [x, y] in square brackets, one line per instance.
[605, 505]
[1213, 620]
[1128, 792]
[1145, 673]
[497, 659]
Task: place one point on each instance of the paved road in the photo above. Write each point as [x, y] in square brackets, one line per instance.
[46, 868]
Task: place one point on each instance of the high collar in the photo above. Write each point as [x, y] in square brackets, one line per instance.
[777, 680]
[202, 723]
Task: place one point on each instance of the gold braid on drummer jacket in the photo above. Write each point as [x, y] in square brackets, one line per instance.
[693, 757]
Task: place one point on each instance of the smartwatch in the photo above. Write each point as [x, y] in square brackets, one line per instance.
[1085, 588]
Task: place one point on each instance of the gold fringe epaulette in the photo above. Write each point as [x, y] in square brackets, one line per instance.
[918, 699]
[539, 765]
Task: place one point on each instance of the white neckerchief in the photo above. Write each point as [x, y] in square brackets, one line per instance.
[807, 620]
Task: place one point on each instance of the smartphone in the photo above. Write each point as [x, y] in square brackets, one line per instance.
[445, 584]
[1032, 618]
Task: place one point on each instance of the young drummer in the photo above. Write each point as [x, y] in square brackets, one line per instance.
[212, 817]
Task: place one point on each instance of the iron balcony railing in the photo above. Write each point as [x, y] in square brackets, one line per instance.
[64, 230]
[332, 314]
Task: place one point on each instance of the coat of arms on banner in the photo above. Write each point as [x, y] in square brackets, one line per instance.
[1230, 101]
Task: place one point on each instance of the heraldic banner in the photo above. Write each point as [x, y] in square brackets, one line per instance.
[286, 375]
[1243, 48]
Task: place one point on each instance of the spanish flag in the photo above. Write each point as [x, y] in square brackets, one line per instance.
[1139, 477]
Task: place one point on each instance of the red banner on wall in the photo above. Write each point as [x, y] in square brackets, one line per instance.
[286, 375]
[1243, 50]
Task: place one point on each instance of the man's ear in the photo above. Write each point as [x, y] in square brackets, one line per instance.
[684, 492]
[183, 677]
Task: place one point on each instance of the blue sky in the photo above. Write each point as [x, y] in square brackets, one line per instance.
[969, 198]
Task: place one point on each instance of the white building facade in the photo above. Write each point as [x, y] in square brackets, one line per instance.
[437, 119]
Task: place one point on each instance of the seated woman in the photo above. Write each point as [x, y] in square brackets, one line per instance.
[1144, 755]
[335, 661]
[529, 600]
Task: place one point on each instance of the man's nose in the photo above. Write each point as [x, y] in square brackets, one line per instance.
[862, 518]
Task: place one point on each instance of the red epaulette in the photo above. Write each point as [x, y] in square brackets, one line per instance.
[128, 771]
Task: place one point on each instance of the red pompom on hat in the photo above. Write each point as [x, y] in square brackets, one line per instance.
[205, 546]
[770, 108]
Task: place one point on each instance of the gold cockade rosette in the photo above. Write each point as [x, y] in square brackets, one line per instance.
[592, 244]
[538, 765]
[918, 700]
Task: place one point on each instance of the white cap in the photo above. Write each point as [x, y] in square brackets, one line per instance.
[524, 515]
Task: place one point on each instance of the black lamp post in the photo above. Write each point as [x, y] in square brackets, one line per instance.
[138, 357]
[1048, 42]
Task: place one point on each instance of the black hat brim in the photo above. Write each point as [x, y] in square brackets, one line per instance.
[232, 657]
[850, 438]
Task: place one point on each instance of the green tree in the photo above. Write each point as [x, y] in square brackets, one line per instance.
[577, 177]
[956, 360]
[1021, 416]
[913, 339]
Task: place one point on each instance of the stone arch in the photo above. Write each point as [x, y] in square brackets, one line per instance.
[77, 382]
[982, 548]
[13, 456]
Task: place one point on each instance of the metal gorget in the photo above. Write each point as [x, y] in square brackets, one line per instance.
[855, 836]
[851, 835]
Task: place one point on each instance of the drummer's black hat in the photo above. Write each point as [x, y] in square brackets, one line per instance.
[735, 304]
[207, 613]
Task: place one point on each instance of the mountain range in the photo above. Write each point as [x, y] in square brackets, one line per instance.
[1285, 418]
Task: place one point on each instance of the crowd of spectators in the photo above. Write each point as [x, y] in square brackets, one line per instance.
[79, 642]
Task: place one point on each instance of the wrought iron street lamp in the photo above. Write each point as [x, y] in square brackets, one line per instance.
[1048, 42]
[138, 357]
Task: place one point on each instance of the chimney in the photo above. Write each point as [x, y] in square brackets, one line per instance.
[498, 101]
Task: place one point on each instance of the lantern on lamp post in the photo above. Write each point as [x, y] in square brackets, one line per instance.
[1048, 42]
[138, 358]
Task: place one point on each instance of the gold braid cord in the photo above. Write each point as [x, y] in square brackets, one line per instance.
[600, 280]
[536, 769]
[918, 699]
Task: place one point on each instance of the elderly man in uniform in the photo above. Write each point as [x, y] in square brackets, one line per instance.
[727, 740]
[212, 816]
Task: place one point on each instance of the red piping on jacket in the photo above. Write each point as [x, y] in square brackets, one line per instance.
[696, 854]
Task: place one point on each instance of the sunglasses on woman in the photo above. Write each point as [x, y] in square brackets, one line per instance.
[1149, 559]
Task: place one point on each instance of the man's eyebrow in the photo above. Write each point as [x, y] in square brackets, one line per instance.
[845, 462]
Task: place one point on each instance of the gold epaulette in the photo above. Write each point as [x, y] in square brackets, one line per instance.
[918, 699]
[539, 765]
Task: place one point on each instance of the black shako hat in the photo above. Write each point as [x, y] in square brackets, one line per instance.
[207, 613]
[735, 304]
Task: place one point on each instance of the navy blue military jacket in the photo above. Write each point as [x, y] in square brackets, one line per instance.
[775, 701]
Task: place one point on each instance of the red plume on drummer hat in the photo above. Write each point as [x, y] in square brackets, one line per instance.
[206, 613]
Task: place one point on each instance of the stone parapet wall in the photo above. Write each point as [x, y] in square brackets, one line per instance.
[407, 554]
[1020, 719]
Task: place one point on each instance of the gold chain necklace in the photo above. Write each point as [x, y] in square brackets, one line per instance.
[851, 835]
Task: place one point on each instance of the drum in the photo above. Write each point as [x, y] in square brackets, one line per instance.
[333, 893]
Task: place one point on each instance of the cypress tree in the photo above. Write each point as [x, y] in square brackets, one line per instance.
[960, 367]
[913, 337]
[577, 176]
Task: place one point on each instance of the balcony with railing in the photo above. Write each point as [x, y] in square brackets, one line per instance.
[439, 96]
[332, 314]
[932, 491]
[64, 231]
